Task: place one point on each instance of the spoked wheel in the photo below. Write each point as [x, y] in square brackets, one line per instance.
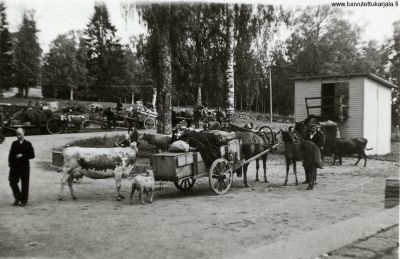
[265, 128]
[55, 126]
[149, 123]
[220, 176]
[185, 184]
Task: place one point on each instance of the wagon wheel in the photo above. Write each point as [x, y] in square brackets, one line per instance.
[149, 123]
[220, 176]
[185, 184]
[55, 126]
[265, 128]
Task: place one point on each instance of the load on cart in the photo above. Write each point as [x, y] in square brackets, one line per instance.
[216, 155]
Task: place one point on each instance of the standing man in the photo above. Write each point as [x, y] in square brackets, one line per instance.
[18, 160]
[197, 117]
[219, 116]
[134, 135]
[317, 137]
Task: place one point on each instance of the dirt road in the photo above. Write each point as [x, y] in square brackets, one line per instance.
[197, 224]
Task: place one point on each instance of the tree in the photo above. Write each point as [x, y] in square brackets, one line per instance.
[27, 55]
[323, 42]
[395, 73]
[105, 55]
[62, 70]
[6, 52]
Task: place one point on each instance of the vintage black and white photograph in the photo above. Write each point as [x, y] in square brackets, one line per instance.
[199, 129]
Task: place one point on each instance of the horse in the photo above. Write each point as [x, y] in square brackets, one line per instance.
[306, 151]
[253, 143]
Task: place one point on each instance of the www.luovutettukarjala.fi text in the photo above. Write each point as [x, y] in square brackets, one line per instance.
[366, 4]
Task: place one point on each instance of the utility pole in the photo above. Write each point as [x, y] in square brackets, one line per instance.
[270, 95]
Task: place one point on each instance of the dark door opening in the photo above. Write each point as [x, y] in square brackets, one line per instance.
[334, 101]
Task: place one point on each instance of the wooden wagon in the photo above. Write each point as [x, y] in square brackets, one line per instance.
[183, 169]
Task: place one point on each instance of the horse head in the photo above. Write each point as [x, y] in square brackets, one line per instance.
[288, 137]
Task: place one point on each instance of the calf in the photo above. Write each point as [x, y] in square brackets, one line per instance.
[144, 184]
[306, 151]
[341, 147]
[97, 163]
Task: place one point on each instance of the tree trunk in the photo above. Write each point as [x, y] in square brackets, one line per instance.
[229, 72]
[71, 96]
[153, 101]
[198, 102]
[164, 80]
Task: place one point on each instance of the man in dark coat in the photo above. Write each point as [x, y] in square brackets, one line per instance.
[317, 137]
[219, 116]
[134, 135]
[18, 160]
[197, 117]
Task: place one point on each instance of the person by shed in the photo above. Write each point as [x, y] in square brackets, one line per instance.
[18, 160]
[317, 137]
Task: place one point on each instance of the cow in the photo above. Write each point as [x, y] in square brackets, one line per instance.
[97, 163]
[342, 146]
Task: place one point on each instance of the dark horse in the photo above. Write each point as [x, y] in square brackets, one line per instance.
[253, 143]
[306, 151]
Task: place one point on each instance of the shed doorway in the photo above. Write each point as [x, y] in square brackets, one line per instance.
[335, 101]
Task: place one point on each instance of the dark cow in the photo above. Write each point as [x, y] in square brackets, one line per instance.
[341, 147]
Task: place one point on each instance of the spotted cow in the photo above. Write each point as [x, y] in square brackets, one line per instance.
[97, 163]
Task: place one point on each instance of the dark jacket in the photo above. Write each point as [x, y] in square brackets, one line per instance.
[318, 139]
[197, 114]
[134, 135]
[25, 148]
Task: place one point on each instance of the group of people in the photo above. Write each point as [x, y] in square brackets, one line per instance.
[201, 113]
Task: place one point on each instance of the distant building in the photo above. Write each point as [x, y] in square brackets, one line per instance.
[359, 103]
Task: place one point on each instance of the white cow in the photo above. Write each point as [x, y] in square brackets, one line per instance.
[97, 163]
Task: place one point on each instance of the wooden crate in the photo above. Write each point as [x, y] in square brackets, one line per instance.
[173, 166]
[392, 193]
[57, 158]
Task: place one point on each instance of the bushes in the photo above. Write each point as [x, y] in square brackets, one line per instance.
[95, 142]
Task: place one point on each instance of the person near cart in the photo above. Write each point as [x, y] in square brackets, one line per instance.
[197, 117]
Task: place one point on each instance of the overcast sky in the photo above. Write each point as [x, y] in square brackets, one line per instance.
[60, 16]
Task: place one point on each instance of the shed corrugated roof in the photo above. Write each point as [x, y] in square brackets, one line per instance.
[371, 76]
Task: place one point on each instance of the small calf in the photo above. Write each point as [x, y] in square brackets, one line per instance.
[144, 184]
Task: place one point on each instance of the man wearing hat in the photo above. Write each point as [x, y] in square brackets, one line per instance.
[18, 160]
[317, 137]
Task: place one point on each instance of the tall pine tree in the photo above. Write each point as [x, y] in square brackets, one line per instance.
[6, 56]
[105, 55]
[27, 55]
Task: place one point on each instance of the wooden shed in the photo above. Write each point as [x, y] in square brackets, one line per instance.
[359, 103]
